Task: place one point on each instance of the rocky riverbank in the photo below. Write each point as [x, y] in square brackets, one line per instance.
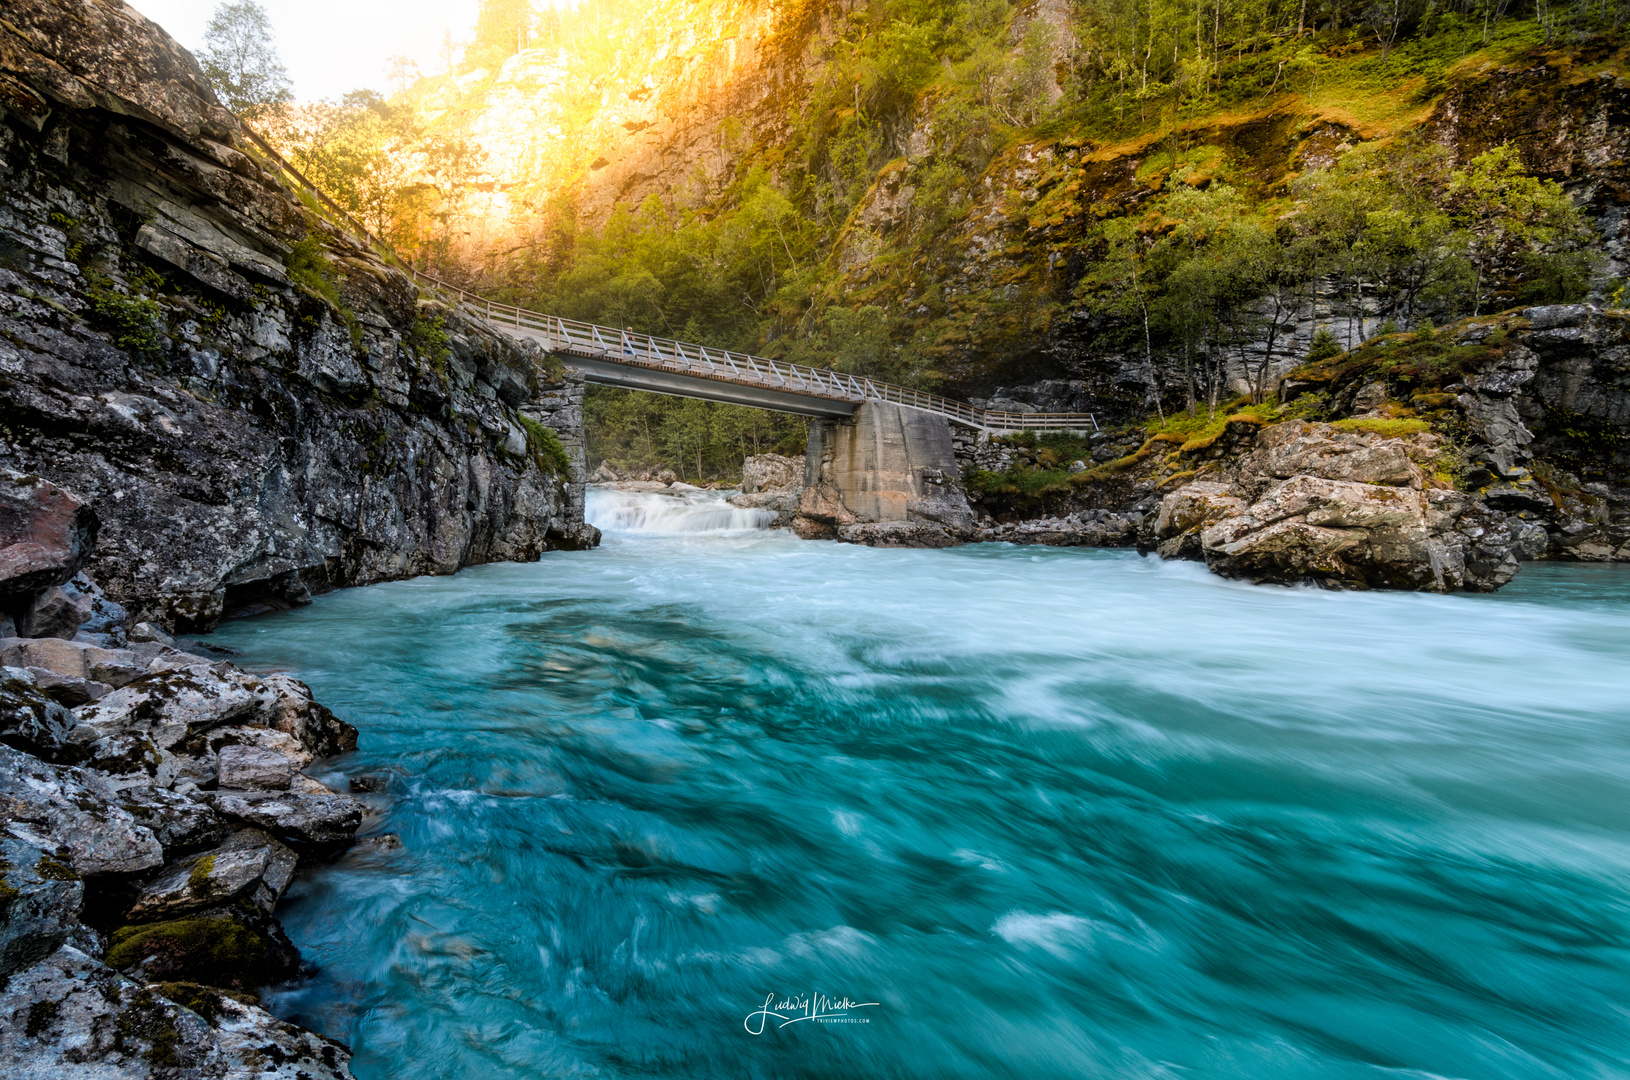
[1435, 460]
[154, 808]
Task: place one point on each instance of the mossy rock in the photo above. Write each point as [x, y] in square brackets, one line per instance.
[206, 1001]
[216, 951]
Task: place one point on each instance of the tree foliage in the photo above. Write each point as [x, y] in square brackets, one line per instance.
[239, 56]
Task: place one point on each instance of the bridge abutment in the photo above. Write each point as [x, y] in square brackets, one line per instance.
[887, 476]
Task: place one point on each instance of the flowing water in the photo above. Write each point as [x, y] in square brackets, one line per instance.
[1057, 813]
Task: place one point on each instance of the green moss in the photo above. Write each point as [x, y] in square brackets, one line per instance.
[209, 948]
[146, 1019]
[199, 877]
[545, 446]
[206, 1001]
[1391, 429]
[52, 870]
[310, 268]
[134, 322]
[428, 340]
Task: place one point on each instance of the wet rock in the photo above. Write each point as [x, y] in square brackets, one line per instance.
[253, 768]
[294, 711]
[1093, 528]
[46, 533]
[40, 902]
[897, 534]
[70, 1016]
[78, 811]
[310, 818]
[214, 877]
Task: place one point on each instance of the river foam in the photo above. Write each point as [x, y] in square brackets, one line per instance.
[655, 513]
[1060, 813]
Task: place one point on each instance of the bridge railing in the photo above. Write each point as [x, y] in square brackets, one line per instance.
[627, 347]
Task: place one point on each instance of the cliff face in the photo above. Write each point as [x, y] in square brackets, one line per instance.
[254, 405]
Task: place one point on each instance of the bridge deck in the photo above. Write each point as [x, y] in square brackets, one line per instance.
[621, 358]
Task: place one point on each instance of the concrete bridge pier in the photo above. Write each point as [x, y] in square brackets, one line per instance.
[886, 476]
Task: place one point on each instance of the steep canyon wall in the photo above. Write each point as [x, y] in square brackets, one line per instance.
[255, 405]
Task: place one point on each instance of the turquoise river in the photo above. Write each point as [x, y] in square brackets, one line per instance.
[714, 802]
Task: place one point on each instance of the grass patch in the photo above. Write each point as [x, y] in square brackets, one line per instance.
[545, 446]
[1389, 429]
[310, 268]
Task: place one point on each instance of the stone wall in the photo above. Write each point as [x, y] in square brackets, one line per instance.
[249, 422]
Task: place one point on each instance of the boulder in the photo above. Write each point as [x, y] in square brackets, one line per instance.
[78, 811]
[1091, 528]
[179, 822]
[30, 720]
[170, 705]
[130, 760]
[46, 533]
[763, 472]
[1312, 503]
[250, 864]
[40, 902]
[226, 946]
[298, 817]
[296, 712]
[74, 661]
[70, 1017]
[253, 768]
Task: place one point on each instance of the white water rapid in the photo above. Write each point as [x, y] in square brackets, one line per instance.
[663, 514]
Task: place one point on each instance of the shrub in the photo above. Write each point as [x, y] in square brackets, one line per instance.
[1324, 346]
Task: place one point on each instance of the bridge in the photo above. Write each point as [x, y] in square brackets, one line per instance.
[612, 357]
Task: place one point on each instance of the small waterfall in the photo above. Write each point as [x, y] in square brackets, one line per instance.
[658, 513]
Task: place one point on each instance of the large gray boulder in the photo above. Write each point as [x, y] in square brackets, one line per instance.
[73, 809]
[70, 1017]
[765, 472]
[40, 902]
